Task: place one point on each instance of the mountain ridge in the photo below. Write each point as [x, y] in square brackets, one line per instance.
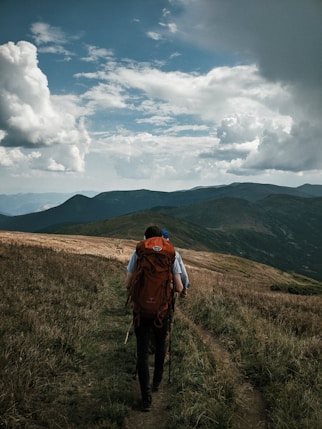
[23, 204]
[116, 203]
[263, 223]
[31, 202]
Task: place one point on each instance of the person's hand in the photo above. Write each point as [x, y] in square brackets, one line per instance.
[183, 294]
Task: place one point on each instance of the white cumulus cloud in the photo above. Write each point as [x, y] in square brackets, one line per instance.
[30, 117]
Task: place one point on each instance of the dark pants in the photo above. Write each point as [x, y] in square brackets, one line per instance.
[143, 333]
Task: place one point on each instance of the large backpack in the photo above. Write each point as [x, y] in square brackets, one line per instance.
[151, 288]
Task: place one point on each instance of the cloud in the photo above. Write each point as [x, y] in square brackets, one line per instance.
[104, 96]
[221, 91]
[9, 158]
[156, 120]
[284, 41]
[170, 26]
[243, 122]
[44, 33]
[240, 128]
[161, 158]
[303, 143]
[230, 100]
[49, 39]
[30, 117]
[283, 38]
[167, 21]
[261, 113]
[153, 35]
[95, 53]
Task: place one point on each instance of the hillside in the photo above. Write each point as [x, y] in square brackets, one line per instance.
[243, 355]
[82, 209]
[275, 225]
[20, 204]
[282, 231]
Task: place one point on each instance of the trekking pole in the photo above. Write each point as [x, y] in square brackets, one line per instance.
[128, 332]
[170, 336]
[135, 373]
[170, 347]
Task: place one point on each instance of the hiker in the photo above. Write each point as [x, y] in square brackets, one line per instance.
[184, 274]
[145, 325]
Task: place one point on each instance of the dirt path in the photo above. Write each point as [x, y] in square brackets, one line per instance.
[251, 410]
[157, 417]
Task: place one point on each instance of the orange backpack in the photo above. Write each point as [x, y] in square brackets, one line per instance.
[151, 288]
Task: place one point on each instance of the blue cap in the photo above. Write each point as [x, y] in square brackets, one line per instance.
[165, 233]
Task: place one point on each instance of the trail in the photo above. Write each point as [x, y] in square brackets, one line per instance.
[161, 402]
[251, 409]
[157, 417]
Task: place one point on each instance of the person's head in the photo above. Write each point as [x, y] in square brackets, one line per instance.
[153, 231]
[165, 233]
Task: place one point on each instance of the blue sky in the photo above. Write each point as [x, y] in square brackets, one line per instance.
[159, 94]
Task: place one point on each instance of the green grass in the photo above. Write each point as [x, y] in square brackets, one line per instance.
[296, 289]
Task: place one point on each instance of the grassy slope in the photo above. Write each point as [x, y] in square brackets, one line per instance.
[182, 233]
[281, 231]
[62, 318]
[64, 364]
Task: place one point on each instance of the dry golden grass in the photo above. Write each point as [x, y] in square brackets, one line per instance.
[54, 340]
[275, 338]
[64, 365]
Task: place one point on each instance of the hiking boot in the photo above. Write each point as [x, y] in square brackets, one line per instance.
[155, 387]
[146, 404]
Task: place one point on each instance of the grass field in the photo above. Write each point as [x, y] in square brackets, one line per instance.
[64, 363]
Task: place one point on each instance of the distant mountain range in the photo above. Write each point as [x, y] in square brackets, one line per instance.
[18, 204]
[279, 226]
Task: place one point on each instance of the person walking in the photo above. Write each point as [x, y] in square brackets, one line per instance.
[146, 324]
